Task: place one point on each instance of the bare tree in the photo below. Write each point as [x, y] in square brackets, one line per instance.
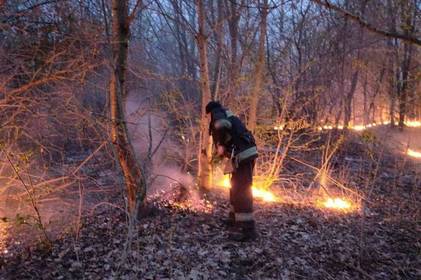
[205, 146]
[233, 19]
[259, 67]
[130, 167]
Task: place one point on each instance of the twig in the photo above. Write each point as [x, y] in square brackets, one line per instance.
[31, 198]
[339, 184]
[79, 217]
[88, 158]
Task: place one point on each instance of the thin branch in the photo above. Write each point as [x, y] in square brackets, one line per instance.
[31, 198]
[407, 38]
[134, 11]
[88, 158]
[160, 142]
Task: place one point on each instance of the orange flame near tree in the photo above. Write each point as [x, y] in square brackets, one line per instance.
[258, 191]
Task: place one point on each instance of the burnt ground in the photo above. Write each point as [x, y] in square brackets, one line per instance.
[297, 241]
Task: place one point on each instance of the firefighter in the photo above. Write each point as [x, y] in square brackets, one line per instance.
[233, 141]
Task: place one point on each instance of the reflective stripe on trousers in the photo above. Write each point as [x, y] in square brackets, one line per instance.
[244, 217]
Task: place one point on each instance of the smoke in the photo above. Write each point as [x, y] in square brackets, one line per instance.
[149, 131]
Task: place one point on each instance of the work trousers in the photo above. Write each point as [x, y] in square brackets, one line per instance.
[241, 196]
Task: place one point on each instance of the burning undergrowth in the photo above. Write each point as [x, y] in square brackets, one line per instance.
[174, 184]
[182, 195]
[326, 188]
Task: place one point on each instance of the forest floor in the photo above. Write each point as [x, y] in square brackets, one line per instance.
[296, 240]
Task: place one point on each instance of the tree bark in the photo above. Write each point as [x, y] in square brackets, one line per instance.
[392, 53]
[233, 22]
[409, 28]
[124, 150]
[404, 84]
[349, 98]
[218, 53]
[259, 68]
[366, 107]
[205, 145]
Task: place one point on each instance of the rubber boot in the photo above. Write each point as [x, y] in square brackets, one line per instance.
[244, 232]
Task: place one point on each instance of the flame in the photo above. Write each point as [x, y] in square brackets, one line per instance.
[361, 127]
[413, 123]
[226, 182]
[337, 203]
[279, 127]
[413, 153]
[334, 203]
[258, 191]
[358, 127]
[264, 195]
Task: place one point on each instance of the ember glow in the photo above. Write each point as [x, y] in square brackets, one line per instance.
[3, 237]
[202, 206]
[258, 192]
[413, 153]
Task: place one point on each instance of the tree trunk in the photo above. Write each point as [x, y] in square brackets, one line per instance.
[391, 83]
[349, 98]
[205, 145]
[404, 84]
[392, 54]
[233, 22]
[130, 167]
[366, 107]
[258, 72]
[354, 80]
[218, 53]
[372, 108]
[409, 29]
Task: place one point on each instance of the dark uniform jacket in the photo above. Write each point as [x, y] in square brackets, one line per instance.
[228, 130]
